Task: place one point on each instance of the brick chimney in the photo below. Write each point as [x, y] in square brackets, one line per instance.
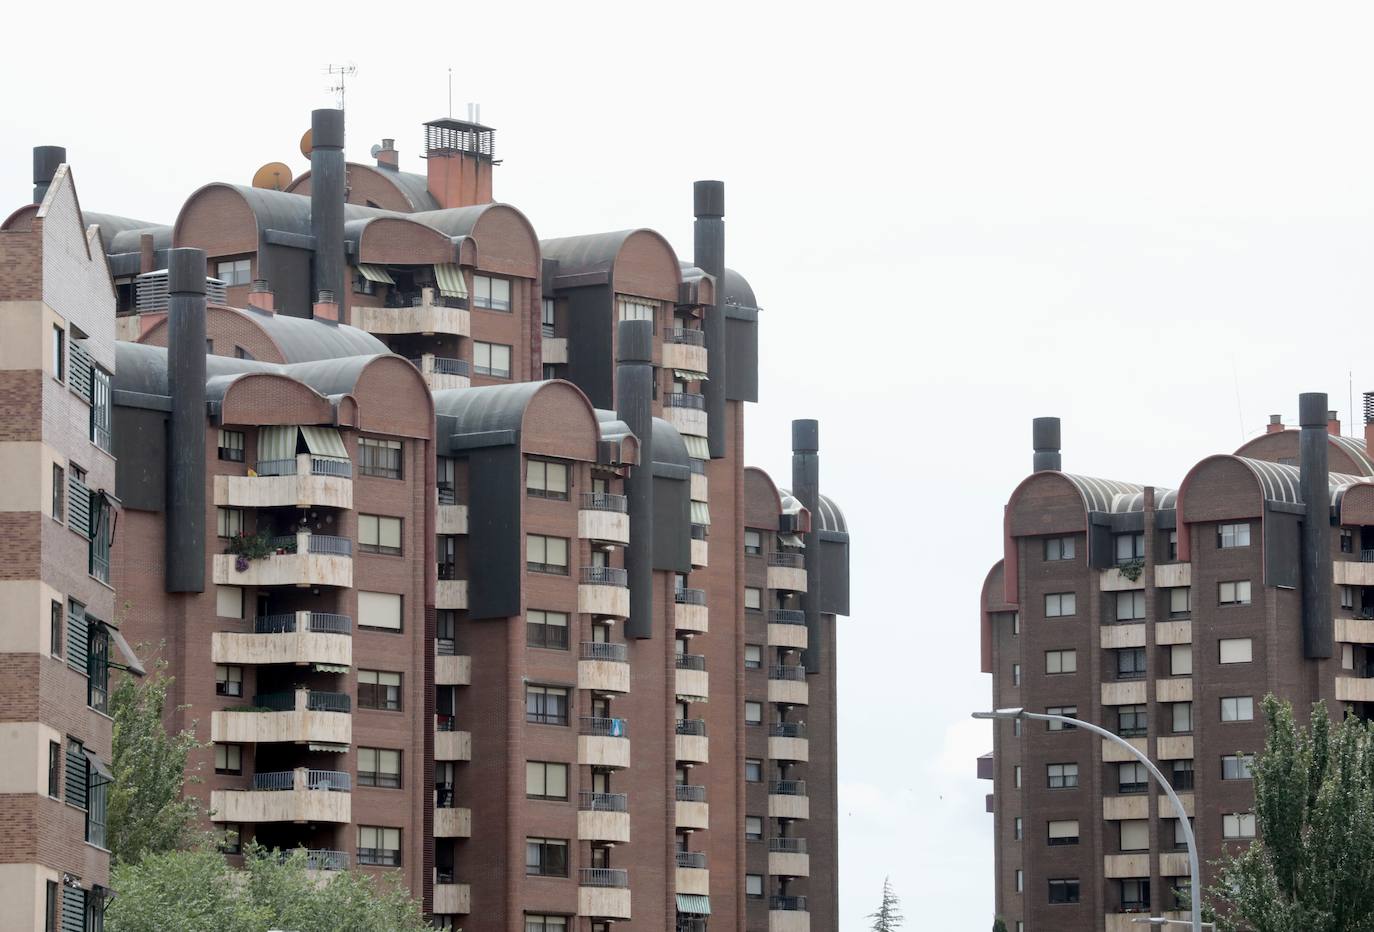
[1333, 424]
[459, 159]
[1275, 424]
[261, 298]
[387, 156]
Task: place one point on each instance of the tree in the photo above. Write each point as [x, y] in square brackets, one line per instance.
[998, 925]
[1311, 865]
[147, 813]
[888, 917]
[197, 891]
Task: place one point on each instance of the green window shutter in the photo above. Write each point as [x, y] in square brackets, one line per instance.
[73, 909]
[79, 375]
[78, 776]
[78, 506]
[78, 637]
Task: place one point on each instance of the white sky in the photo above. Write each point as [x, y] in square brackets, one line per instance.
[957, 216]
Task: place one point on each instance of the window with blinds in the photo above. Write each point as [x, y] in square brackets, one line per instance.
[379, 610]
[77, 637]
[77, 783]
[78, 502]
[102, 414]
[73, 909]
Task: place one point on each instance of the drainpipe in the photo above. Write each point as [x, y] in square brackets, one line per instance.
[708, 254]
[1318, 628]
[806, 486]
[634, 386]
[185, 513]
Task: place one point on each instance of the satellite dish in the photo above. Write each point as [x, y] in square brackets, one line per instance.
[376, 150]
[307, 143]
[274, 176]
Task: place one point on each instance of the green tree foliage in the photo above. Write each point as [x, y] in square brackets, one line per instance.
[1311, 868]
[197, 891]
[998, 925]
[147, 812]
[889, 916]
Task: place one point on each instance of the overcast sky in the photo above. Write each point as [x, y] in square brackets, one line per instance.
[1154, 220]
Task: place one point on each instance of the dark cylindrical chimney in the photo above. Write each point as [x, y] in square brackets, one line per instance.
[708, 254]
[45, 162]
[327, 180]
[1318, 628]
[1045, 440]
[186, 437]
[634, 392]
[806, 487]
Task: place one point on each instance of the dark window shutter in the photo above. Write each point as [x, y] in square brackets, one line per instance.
[78, 778]
[78, 506]
[78, 639]
[73, 909]
[79, 375]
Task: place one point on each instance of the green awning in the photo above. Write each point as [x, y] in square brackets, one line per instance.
[375, 273]
[333, 748]
[694, 903]
[690, 375]
[330, 668]
[451, 281]
[697, 447]
[276, 443]
[325, 441]
[701, 513]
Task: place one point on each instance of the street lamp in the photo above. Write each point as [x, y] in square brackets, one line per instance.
[1194, 891]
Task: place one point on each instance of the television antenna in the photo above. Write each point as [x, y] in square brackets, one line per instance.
[339, 75]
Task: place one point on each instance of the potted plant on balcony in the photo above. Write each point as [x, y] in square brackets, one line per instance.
[247, 547]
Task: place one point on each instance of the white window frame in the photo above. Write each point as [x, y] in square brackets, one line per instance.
[1232, 536]
[1237, 708]
[1233, 592]
[1056, 604]
[1061, 661]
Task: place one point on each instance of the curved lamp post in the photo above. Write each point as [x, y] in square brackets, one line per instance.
[1195, 890]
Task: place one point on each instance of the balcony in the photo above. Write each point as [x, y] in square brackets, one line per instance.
[442, 372]
[603, 516]
[299, 795]
[603, 817]
[788, 914]
[602, 742]
[787, 685]
[689, 610]
[1355, 631]
[449, 742]
[692, 682]
[787, 799]
[787, 571]
[1174, 689]
[430, 313]
[452, 821]
[1124, 692]
[603, 893]
[787, 628]
[787, 741]
[452, 899]
[300, 717]
[555, 350]
[302, 482]
[603, 667]
[701, 551]
[451, 518]
[686, 412]
[692, 746]
[299, 639]
[692, 876]
[1113, 580]
[1353, 573]
[302, 560]
[685, 351]
[787, 857]
[693, 812]
[452, 670]
[1122, 634]
[1354, 689]
[604, 591]
[1173, 632]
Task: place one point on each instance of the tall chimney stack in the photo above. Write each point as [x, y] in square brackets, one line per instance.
[1275, 425]
[1368, 420]
[387, 156]
[708, 254]
[1045, 440]
[185, 513]
[1318, 628]
[459, 157]
[45, 162]
[634, 387]
[1333, 423]
[806, 486]
[327, 180]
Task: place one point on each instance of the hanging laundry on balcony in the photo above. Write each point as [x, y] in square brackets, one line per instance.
[450, 280]
[375, 273]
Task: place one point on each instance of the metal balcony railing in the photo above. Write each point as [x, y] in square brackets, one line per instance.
[443, 796]
[602, 802]
[790, 904]
[691, 662]
[604, 650]
[689, 793]
[692, 859]
[786, 616]
[319, 622]
[603, 877]
[685, 336]
[445, 647]
[322, 859]
[604, 576]
[787, 788]
[787, 729]
[333, 780]
[603, 501]
[787, 845]
[282, 780]
[328, 702]
[689, 596]
[601, 726]
[796, 674]
[447, 495]
[324, 543]
[684, 400]
[276, 702]
[445, 365]
[319, 466]
[691, 726]
[787, 558]
[1367, 556]
[445, 722]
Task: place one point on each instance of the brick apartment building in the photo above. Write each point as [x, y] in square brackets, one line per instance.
[1165, 616]
[521, 626]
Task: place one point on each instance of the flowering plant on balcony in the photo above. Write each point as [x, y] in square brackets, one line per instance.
[246, 547]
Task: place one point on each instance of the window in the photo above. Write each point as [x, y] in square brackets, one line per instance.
[1061, 661]
[379, 610]
[229, 601]
[379, 534]
[1235, 650]
[101, 419]
[228, 522]
[1183, 717]
[378, 689]
[753, 598]
[59, 353]
[1016, 776]
[229, 758]
[753, 770]
[1016, 828]
[491, 359]
[1129, 547]
[1237, 708]
[546, 318]
[546, 857]
[234, 271]
[1180, 602]
[1058, 548]
[546, 480]
[535, 923]
[379, 846]
[1135, 834]
[1347, 656]
[228, 680]
[381, 458]
[1173, 545]
[55, 629]
[1016, 728]
[753, 713]
[546, 554]
[1238, 825]
[55, 769]
[59, 493]
[753, 657]
[753, 828]
[1064, 891]
[1020, 880]
[753, 885]
[1180, 836]
[1348, 598]
[753, 543]
[98, 666]
[1016, 678]
[1233, 535]
[50, 907]
[1132, 777]
[1237, 766]
[546, 705]
[546, 629]
[231, 838]
[1135, 894]
[546, 780]
[1181, 774]
[231, 445]
[1069, 711]
[1347, 540]
[1061, 776]
[1181, 659]
[1130, 721]
[379, 767]
[1130, 606]
[1234, 593]
[491, 293]
[635, 309]
[1130, 663]
[1059, 604]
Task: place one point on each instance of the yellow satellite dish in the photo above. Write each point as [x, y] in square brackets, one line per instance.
[274, 176]
[307, 143]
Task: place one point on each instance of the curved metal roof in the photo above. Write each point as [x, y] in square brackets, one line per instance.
[414, 188]
[140, 368]
[1355, 448]
[832, 519]
[143, 368]
[1100, 494]
[1282, 483]
[669, 447]
[282, 210]
[587, 253]
[1165, 500]
[454, 221]
[488, 408]
[122, 234]
[790, 503]
[303, 339]
[734, 288]
[612, 427]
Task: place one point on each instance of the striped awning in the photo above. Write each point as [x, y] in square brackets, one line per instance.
[375, 273]
[332, 748]
[701, 513]
[690, 375]
[791, 540]
[330, 667]
[687, 697]
[451, 281]
[697, 447]
[276, 443]
[694, 903]
[325, 441]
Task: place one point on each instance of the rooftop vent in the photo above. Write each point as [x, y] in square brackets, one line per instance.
[150, 292]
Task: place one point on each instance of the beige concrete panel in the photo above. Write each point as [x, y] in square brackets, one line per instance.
[692, 749]
[603, 676]
[791, 578]
[1173, 864]
[24, 757]
[453, 670]
[686, 420]
[1115, 753]
[1354, 689]
[694, 880]
[1173, 632]
[603, 826]
[604, 525]
[789, 920]
[788, 807]
[26, 607]
[1126, 865]
[787, 636]
[1124, 692]
[700, 552]
[1174, 689]
[451, 593]
[302, 490]
[1352, 573]
[602, 902]
[128, 328]
[1173, 575]
[423, 318]
[453, 899]
[291, 569]
[454, 822]
[438, 381]
[1134, 806]
[23, 887]
[693, 815]
[289, 727]
[693, 683]
[1112, 581]
[281, 806]
[1354, 631]
[28, 335]
[555, 350]
[1175, 747]
[453, 745]
[788, 864]
[791, 692]
[26, 468]
[603, 751]
[295, 647]
[452, 519]
[606, 601]
[791, 749]
[684, 356]
[700, 487]
[1166, 808]
[690, 617]
[1118, 636]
